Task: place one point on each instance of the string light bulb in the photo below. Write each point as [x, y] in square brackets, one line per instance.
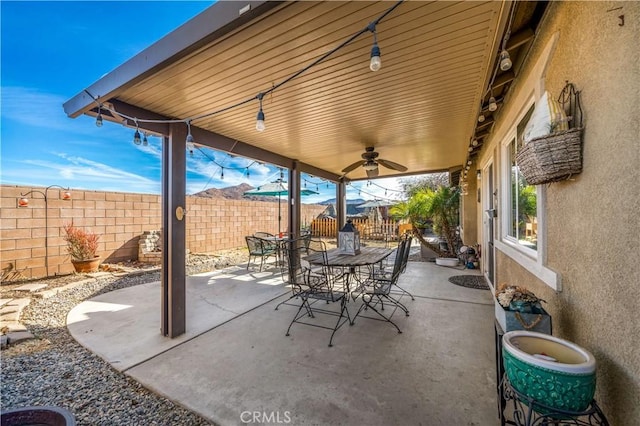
[145, 141]
[505, 60]
[189, 141]
[99, 118]
[474, 142]
[136, 136]
[222, 173]
[492, 104]
[260, 127]
[376, 63]
[481, 118]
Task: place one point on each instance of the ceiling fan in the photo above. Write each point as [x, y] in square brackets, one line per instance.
[370, 163]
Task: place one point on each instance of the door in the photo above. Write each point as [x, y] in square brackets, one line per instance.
[489, 197]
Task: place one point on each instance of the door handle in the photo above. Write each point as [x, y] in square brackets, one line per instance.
[491, 213]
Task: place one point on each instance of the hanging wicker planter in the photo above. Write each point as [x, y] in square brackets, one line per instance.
[551, 158]
[556, 156]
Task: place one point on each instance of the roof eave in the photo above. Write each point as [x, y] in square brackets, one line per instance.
[218, 20]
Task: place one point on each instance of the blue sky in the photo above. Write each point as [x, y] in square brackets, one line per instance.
[53, 50]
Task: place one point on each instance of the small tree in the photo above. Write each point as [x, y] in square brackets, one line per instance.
[81, 245]
[441, 207]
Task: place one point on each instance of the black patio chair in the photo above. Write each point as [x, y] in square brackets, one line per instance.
[290, 270]
[316, 282]
[259, 248]
[381, 272]
[408, 239]
[377, 290]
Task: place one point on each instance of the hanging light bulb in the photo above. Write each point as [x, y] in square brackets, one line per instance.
[470, 148]
[481, 118]
[189, 141]
[492, 104]
[222, 173]
[248, 173]
[136, 136]
[474, 142]
[505, 60]
[376, 63]
[260, 119]
[145, 141]
[99, 118]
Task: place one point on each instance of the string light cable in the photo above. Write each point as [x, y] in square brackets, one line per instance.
[260, 121]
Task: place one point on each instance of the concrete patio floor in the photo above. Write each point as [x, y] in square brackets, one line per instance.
[236, 366]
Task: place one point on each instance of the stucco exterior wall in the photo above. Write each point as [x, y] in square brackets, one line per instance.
[592, 221]
[120, 218]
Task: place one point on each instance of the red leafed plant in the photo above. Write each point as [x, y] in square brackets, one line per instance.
[81, 245]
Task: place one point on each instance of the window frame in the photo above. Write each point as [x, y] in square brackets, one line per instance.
[532, 260]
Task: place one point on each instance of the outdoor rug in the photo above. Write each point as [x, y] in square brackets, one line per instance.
[470, 281]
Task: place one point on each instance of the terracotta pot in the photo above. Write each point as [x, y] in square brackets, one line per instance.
[90, 265]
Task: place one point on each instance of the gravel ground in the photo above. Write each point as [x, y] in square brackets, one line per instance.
[53, 369]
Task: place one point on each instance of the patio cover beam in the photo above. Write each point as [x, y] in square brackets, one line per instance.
[293, 198]
[173, 275]
[215, 140]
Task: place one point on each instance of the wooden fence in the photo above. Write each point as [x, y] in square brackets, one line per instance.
[381, 230]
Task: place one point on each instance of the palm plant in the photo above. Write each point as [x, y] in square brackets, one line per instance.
[440, 207]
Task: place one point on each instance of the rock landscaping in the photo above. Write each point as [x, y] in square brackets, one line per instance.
[51, 368]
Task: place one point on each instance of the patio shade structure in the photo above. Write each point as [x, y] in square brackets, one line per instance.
[204, 83]
[274, 189]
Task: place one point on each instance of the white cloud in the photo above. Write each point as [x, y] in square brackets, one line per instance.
[33, 107]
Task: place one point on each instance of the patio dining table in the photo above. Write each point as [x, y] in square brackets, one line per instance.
[368, 256]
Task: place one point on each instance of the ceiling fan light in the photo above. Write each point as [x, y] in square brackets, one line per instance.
[370, 165]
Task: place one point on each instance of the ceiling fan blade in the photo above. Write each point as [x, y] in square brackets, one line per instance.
[372, 173]
[391, 165]
[353, 166]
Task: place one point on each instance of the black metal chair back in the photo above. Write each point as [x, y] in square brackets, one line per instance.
[310, 273]
[258, 249]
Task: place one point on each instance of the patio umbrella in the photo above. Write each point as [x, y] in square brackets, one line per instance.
[277, 188]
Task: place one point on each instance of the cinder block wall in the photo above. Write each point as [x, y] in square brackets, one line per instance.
[120, 219]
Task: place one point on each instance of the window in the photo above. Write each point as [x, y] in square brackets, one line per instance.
[523, 198]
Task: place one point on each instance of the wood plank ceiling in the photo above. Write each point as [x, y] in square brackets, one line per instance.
[419, 110]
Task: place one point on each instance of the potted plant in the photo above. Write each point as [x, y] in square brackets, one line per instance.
[520, 309]
[436, 207]
[82, 246]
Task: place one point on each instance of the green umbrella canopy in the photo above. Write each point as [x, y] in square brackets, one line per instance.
[276, 189]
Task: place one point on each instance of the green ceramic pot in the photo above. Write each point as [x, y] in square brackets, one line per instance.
[552, 371]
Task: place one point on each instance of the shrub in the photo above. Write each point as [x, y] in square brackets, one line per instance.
[81, 245]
